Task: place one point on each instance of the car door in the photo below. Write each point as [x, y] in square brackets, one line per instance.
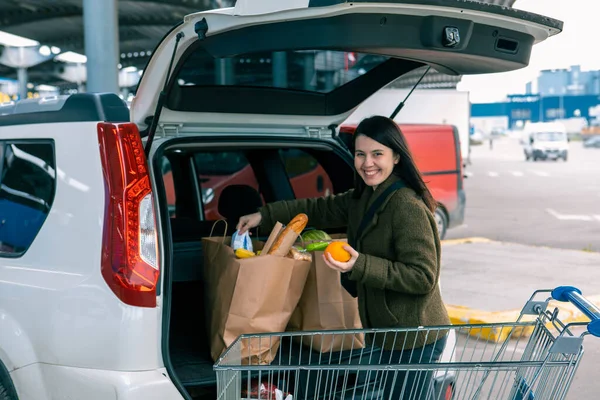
[301, 67]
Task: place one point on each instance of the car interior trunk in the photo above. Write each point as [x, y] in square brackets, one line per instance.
[204, 181]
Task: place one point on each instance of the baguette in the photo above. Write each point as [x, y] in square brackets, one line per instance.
[287, 237]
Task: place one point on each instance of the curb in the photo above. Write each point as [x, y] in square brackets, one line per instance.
[500, 321]
[478, 239]
[467, 240]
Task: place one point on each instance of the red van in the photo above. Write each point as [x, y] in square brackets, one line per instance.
[221, 169]
[436, 150]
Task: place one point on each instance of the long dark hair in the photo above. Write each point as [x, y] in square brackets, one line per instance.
[385, 131]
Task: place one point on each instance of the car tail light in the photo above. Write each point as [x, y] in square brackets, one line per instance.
[129, 241]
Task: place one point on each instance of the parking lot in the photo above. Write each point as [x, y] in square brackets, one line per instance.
[550, 203]
[543, 220]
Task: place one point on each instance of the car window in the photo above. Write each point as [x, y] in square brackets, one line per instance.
[221, 163]
[307, 177]
[550, 136]
[217, 171]
[27, 187]
[167, 174]
[309, 70]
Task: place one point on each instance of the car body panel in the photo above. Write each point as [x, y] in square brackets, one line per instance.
[54, 295]
[59, 382]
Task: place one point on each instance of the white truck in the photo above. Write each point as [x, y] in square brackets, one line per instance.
[545, 141]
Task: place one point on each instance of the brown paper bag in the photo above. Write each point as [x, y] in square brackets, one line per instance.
[251, 295]
[326, 305]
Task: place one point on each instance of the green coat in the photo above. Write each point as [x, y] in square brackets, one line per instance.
[398, 270]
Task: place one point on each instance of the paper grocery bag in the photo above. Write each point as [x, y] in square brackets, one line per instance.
[326, 305]
[250, 295]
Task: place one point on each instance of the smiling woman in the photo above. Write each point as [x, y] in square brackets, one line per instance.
[394, 247]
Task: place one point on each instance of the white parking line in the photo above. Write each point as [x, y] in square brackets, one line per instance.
[540, 173]
[493, 174]
[517, 173]
[597, 217]
[569, 217]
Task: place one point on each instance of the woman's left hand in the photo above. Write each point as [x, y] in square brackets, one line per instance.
[342, 266]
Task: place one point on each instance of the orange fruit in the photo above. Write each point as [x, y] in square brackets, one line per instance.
[337, 251]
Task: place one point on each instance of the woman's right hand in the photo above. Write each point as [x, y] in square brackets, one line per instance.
[248, 222]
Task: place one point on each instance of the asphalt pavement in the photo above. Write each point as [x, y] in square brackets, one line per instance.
[551, 203]
[536, 226]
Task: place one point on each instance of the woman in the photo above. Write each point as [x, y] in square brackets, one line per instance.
[394, 248]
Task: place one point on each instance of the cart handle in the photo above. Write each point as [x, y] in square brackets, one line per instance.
[572, 294]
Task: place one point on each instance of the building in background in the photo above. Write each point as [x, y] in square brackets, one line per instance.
[571, 96]
[575, 111]
[572, 81]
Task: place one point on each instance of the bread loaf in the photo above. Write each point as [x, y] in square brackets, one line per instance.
[288, 236]
[299, 255]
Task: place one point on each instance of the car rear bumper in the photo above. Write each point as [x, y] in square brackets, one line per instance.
[456, 217]
[45, 382]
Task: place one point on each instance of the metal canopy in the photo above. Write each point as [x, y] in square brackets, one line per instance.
[142, 24]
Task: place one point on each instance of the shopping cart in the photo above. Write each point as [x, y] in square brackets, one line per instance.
[537, 360]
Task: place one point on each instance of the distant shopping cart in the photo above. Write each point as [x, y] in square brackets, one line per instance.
[537, 358]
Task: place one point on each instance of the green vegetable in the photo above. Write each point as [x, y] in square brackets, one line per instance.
[315, 236]
[317, 246]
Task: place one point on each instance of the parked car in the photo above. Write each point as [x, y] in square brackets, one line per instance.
[594, 141]
[436, 150]
[105, 300]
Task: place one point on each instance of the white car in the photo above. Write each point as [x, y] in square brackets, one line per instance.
[102, 208]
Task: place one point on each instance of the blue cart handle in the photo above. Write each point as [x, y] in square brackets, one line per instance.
[572, 294]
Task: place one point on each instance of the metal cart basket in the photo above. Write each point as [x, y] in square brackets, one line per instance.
[536, 357]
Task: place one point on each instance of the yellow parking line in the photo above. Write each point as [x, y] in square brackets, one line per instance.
[477, 239]
[460, 315]
[467, 240]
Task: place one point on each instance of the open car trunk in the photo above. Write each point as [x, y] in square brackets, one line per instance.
[228, 91]
[276, 169]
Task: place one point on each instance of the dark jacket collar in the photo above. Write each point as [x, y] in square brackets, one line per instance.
[367, 198]
[373, 194]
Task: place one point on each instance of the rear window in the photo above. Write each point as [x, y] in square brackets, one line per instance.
[307, 177]
[307, 70]
[217, 171]
[27, 187]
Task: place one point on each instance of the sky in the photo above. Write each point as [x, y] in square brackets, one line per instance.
[577, 44]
